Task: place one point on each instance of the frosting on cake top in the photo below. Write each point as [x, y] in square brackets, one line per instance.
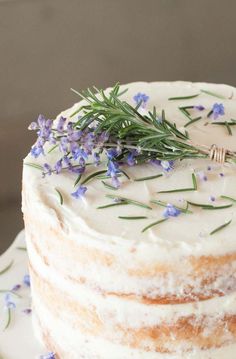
[183, 233]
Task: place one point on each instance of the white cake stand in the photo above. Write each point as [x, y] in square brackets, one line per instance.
[17, 341]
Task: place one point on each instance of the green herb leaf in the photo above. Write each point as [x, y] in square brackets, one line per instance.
[183, 97]
[194, 188]
[53, 148]
[109, 186]
[77, 180]
[220, 227]
[21, 248]
[230, 198]
[6, 268]
[60, 196]
[212, 94]
[192, 121]
[112, 205]
[8, 319]
[34, 165]
[132, 217]
[129, 201]
[148, 178]
[93, 175]
[209, 206]
[154, 224]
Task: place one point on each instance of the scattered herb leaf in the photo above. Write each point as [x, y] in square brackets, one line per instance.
[129, 201]
[6, 268]
[60, 196]
[154, 224]
[148, 178]
[212, 94]
[183, 97]
[220, 227]
[132, 217]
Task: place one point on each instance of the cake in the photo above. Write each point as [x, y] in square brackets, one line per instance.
[109, 284]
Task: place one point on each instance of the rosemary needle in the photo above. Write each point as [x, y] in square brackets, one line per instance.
[220, 227]
[154, 224]
[6, 268]
[132, 217]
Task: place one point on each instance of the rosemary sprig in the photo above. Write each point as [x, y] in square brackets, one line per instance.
[6, 268]
[128, 201]
[183, 97]
[60, 196]
[212, 94]
[220, 227]
[209, 206]
[148, 178]
[154, 224]
[122, 122]
[132, 217]
[193, 188]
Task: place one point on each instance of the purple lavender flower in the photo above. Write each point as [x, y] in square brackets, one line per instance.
[141, 98]
[78, 152]
[218, 110]
[36, 151]
[212, 198]
[9, 303]
[221, 174]
[27, 311]
[131, 159]
[167, 165]
[155, 162]
[26, 280]
[202, 176]
[112, 153]
[16, 287]
[208, 168]
[50, 355]
[63, 146]
[113, 168]
[47, 169]
[79, 193]
[102, 138]
[97, 159]
[60, 124]
[115, 182]
[199, 107]
[58, 166]
[171, 211]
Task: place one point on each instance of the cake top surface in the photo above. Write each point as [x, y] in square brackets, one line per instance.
[188, 231]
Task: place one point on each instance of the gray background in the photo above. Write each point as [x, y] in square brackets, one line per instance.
[48, 46]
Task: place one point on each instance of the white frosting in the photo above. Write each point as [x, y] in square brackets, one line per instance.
[171, 243]
[187, 234]
[78, 345]
[130, 312]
